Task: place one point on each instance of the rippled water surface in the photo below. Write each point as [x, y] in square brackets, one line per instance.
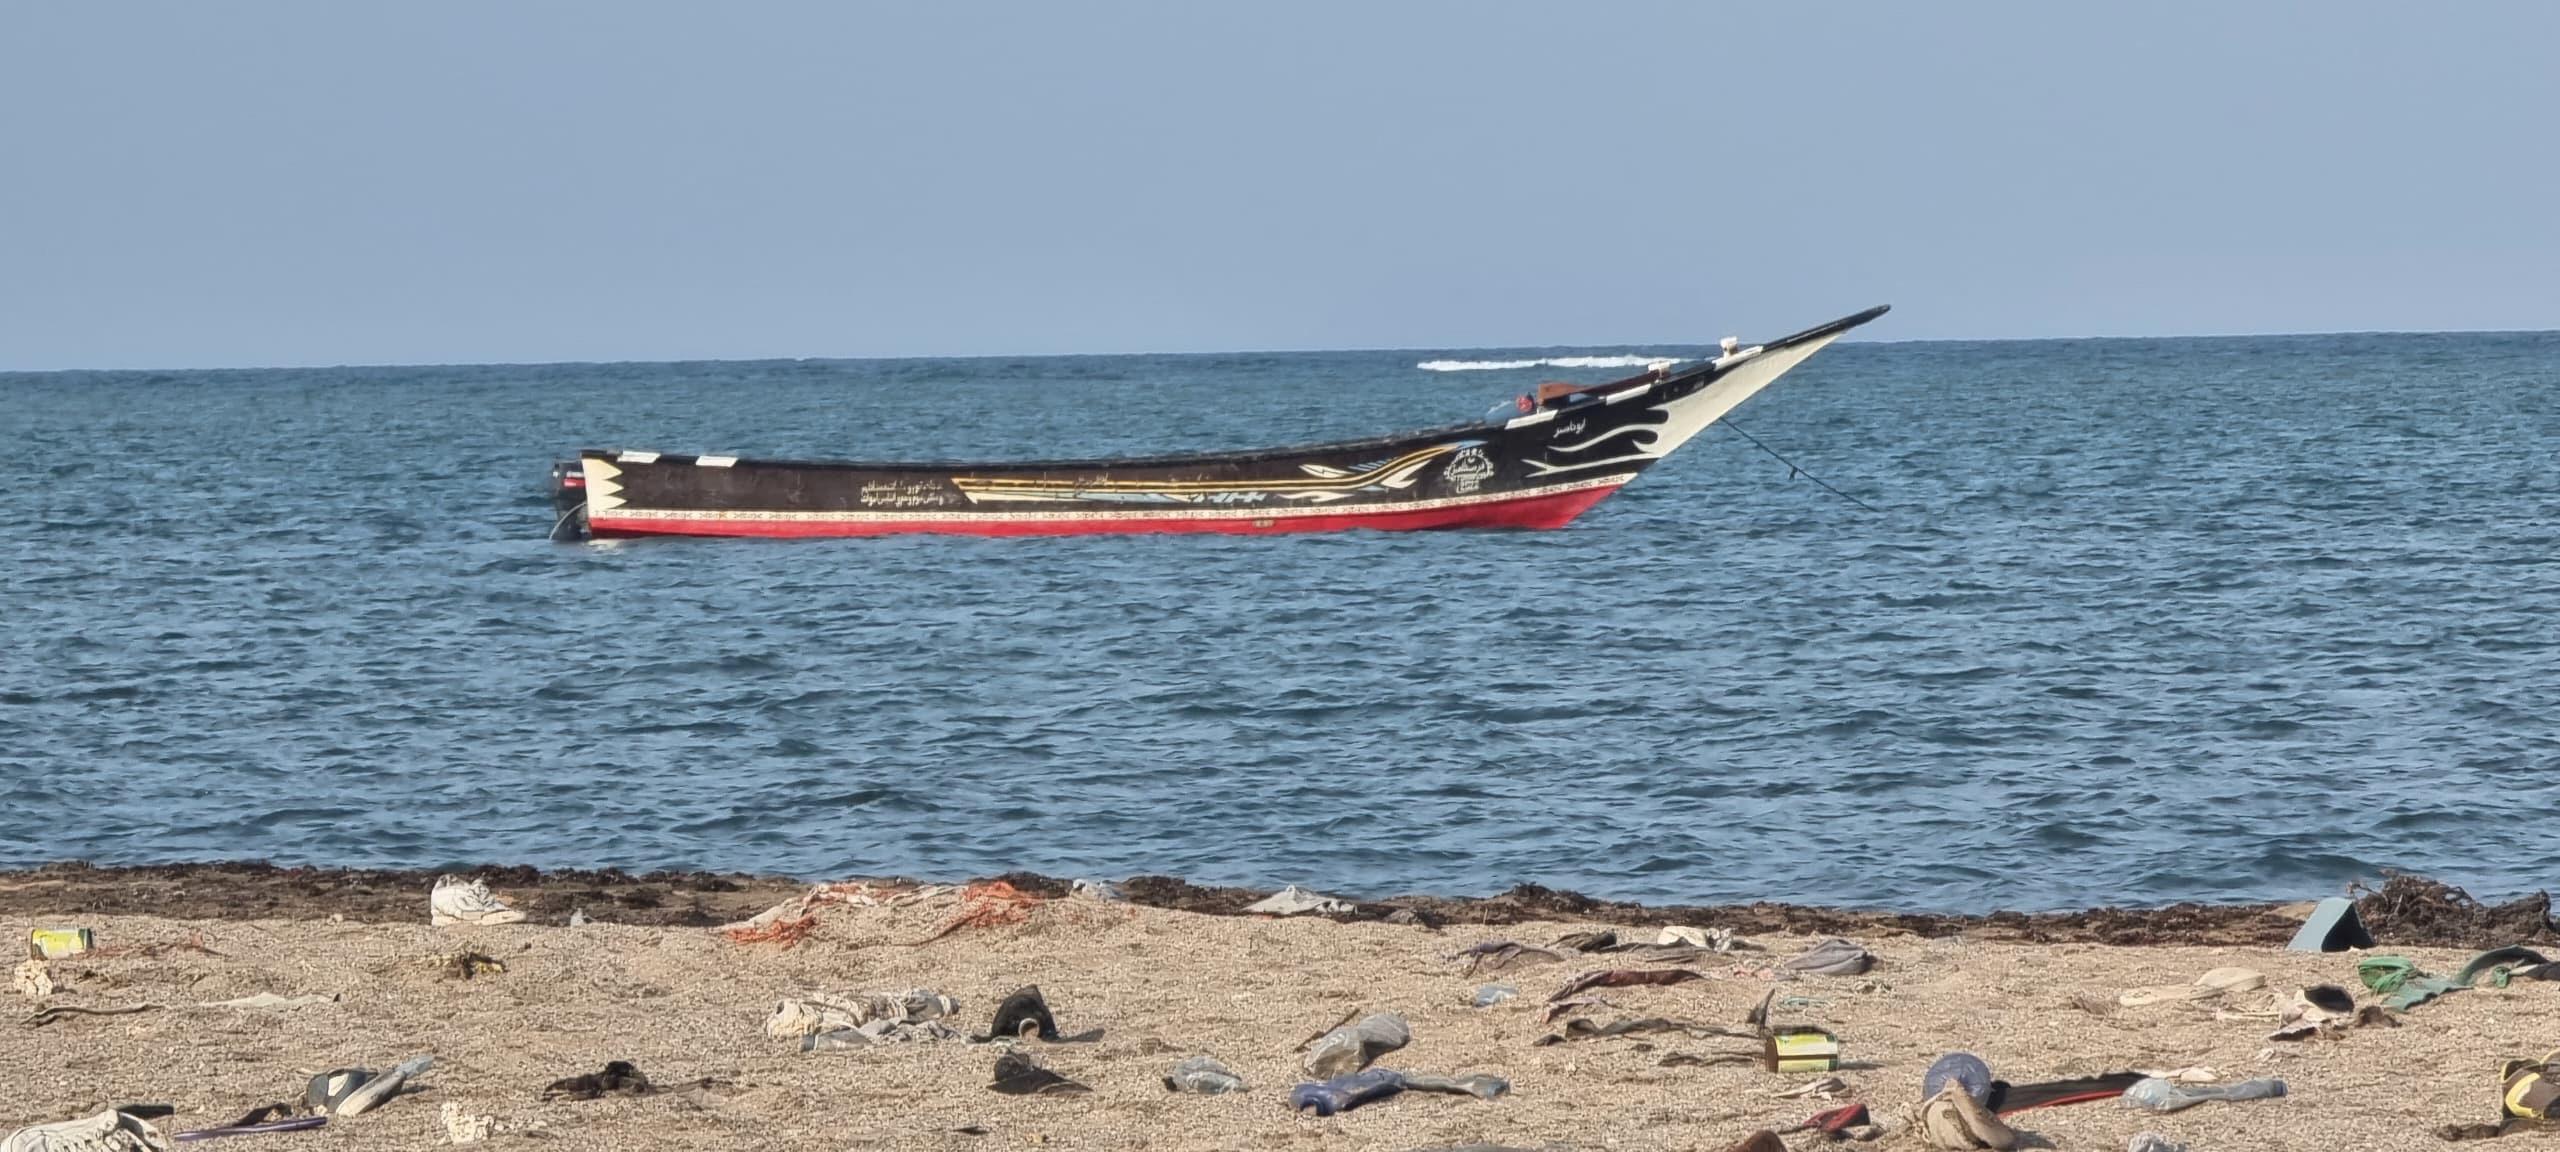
[2136, 621]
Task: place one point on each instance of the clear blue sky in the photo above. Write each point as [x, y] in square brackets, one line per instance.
[192, 184]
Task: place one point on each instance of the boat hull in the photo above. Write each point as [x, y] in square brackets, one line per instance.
[1538, 469]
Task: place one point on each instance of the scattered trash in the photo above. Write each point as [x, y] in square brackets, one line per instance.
[261, 1121]
[2153, 1142]
[1961, 1069]
[1025, 1014]
[814, 1014]
[1800, 1049]
[1699, 1060]
[1826, 1088]
[1833, 957]
[2215, 984]
[1296, 901]
[467, 964]
[269, 1001]
[2501, 966]
[1353, 1047]
[619, 1078]
[1344, 1093]
[1953, 1119]
[58, 943]
[2324, 1010]
[1504, 955]
[1204, 1076]
[2401, 984]
[2187, 1075]
[33, 980]
[578, 918]
[2530, 1089]
[1103, 891]
[461, 1127]
[355, 1091]
[1583, 1029]
[2333, 927]
[2008, 1099]
[1480, 1085]
[1492, 994]
[2157, 1095]
[55, 1012]
[986, 904]
[1624, 978]
[791, 921]
[455, 900]
[1839, 1123]
[1019, 1075]
[108, 1131]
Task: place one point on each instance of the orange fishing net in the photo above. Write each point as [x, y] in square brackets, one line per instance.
[786, 931]
[985, 905]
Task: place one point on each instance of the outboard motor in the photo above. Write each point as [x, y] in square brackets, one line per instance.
[568, 500]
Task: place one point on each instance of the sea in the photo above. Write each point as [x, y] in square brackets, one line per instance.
[2073, 623]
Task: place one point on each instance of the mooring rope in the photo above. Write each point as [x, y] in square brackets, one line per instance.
[1794, 469]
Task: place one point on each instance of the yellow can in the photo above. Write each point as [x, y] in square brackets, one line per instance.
[56, 943]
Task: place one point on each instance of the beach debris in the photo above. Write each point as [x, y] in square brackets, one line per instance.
[816, 1013]
[263, 1120]
[270, 1002]
[466, 964]
[2153, 1094]
[2530, 1089]
[54, 1012]
[1703, 1060]
[1204, 1076]
[619, 1078]
[1580, 1028]
[1954, 1119]
[2502, 966]
[2323, 1010]
[578, 918]
[1504, 955]
[2411, 911]
[461, 1127]
[2152, 1142]
[2191, 1074]
[1624, 978]
[1800, 1049]
[355, 1091]
[1825, 1088]
[1296, 901]
[986, 904]
[1833, 957]
[1492, 994]
[456, 901]
[2401, 983]
[1962, 1069]
[1482, 1086]
[2332, 927]
[1352, 1047]
[108, 1131]
[1025, 1014]
[2012, 1098]
[1101, 890]
[59, 943]
[1840, 1123]
[1019, 1075]
[33, 979]
[791, 921]
[2215, 984]
[1344, 1093]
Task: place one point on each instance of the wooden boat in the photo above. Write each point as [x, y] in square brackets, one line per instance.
[1557, 453]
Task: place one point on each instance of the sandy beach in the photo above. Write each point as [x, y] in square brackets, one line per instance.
[687, 1004]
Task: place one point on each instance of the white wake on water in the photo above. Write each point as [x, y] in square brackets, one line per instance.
[1550, 362]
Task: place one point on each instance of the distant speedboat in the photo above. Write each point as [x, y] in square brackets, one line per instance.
[1566, 448]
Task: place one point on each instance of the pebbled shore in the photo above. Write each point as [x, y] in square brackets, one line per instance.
[645, 981]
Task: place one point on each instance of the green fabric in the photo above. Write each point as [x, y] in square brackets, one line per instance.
[2402, 985]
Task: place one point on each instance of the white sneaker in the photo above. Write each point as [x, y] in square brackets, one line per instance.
[104, 1132]
[460, 901]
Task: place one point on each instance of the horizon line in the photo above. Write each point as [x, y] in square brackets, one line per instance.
[1413, 348]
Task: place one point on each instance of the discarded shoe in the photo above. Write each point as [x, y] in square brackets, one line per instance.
[354, 1091]
[1019, 1075]
[2153, 1094]
[619, 1078]
[1833, 957]
[105, 1132]
[1204, 1076]
[2531, 1089]
[1953, 1120]
[1296, 901]
[1344, 1093]
[469, 902]
[1352, 1047]
[1026, 1014]
[2213, 985]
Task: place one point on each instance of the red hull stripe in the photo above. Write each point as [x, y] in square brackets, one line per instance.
[1550, 508]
